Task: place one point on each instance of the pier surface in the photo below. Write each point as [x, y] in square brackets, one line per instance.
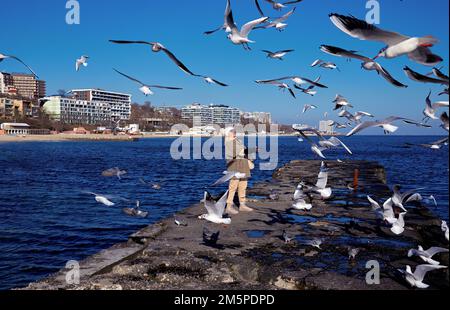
[251, 253]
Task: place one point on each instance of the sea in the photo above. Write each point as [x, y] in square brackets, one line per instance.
[47, 216]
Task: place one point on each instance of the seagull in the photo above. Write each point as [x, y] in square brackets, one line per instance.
[367, 63]
[439, 74]
[415, 76]
[287, 238]
[399, 226]
[309, 91]
[338, 125]
[385, 124]
[158, 47]
[322, 181]
[155, 186]
[308, 107]
[279, 22]
[430, 109]
[416, 48]
[3, 57]
[114, 172]
[445, 121]
[416, 279]
[210, 80]
[278, 5]
[316, 243]
[280, 85]
[102, 199]
[341, 102]
[437, 145]
[146, 89]
[228, 175]
[225, 25]
[299, 199]
[387, 213]
[427, 256]
[445, 229]
[82, 61]
[135, 212]
[352, 253]
[324, 64]
[215, 209]
[277, 55]
[241, 37]
[356, 118]
[210, 238]
[297, 80]
[333, 142]
[178, 222]
[399, 199]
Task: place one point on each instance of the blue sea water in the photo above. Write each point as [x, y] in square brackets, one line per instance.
[46, 219]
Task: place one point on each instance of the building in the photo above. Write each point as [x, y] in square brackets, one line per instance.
[120, 104]
[202, 115]
[25, 85]
[12, 107]
[326, 127]
[258, 117]
[77, 112]
[15, 128]
[6, 82]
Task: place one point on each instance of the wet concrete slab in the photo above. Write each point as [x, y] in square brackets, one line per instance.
[251, 253]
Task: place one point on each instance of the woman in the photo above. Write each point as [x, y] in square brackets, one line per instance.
[236, 155]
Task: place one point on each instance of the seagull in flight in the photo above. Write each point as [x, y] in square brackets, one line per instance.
[279, 5]
[299, 198]
[385, 124]
[431, 108]
[445, 121]
[296, 79]
[355, 118]
[278, 23]
[215, 209]
[228, 175]
[387, 212]
[240, 37]
[427, 256]
[445, 229]
[325, 64]
[278, 54]
[82, 61]
[437, 145]
[308, 107]
[145, 88]
[417, 49]
[367, 63]
[280, 85]
[158, 47]
[341, 102]
[102, 199]
[415, 279]
[415, 76]
[3, 57]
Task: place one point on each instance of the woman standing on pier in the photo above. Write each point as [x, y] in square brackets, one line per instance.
[236, 155]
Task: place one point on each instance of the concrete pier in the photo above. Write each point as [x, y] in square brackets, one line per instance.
[251, 253]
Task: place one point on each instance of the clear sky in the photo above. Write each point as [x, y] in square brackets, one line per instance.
[35, 31]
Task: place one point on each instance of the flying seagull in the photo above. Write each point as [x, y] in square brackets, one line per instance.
[355, 118]
[299, 198]
[308, 107]
[416, 279]
[437, 145]
[277, 55]
[445, 121]
[445, 229]
[281, 5]
[367, 63]
[225, 25]
[278, 23]
[240, 37]
[3, 57]
[427, 256]
[102, 199]
[398, 227]
[215, 209]
[297, 80]
[325, 64]
[341, 102]
[82, 61]
[210, 80]
[385, 124]
[315, 243]
[430, 108]
[415, 76]
[145, 88]
[322, 183]
[158, 47]
[136, 212]
[387, 212]
[280, 85]
[439, 74]
[416, 48]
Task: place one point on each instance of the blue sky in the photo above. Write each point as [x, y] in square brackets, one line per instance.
[36, 31]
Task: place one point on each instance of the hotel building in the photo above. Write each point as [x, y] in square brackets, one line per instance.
[24, 85]
[213, 114]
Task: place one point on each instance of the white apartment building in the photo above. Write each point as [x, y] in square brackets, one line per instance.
[326, 127]
[119, 103]
[202, 115]
[259, 117]
[77, 112]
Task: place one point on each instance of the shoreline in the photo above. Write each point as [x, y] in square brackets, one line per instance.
[251, 253]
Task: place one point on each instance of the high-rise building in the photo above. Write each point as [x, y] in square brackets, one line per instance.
[120, 104]
[28, 86]
[202, 115]
[258, 117]
[6, 81]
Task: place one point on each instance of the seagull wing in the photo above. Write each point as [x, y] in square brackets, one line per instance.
[362, 127]
[221, 204]
[422, 270]
[292, 2]
[322, 179]
[339, 142]
[424, 56]
[314, 83]
[388, 77]
[28, 67]
[213, 31]
[340, 52]
[415, 76]
[284, 17]
[248, 27]
[440, 104]
[131, 42]
[436, 250]
[362, 30]
[227, 177]
[439, 74]
[165, 87]
[258, 7]
[129, 77]
[375, 205]
[177, 61]
[316, 63]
